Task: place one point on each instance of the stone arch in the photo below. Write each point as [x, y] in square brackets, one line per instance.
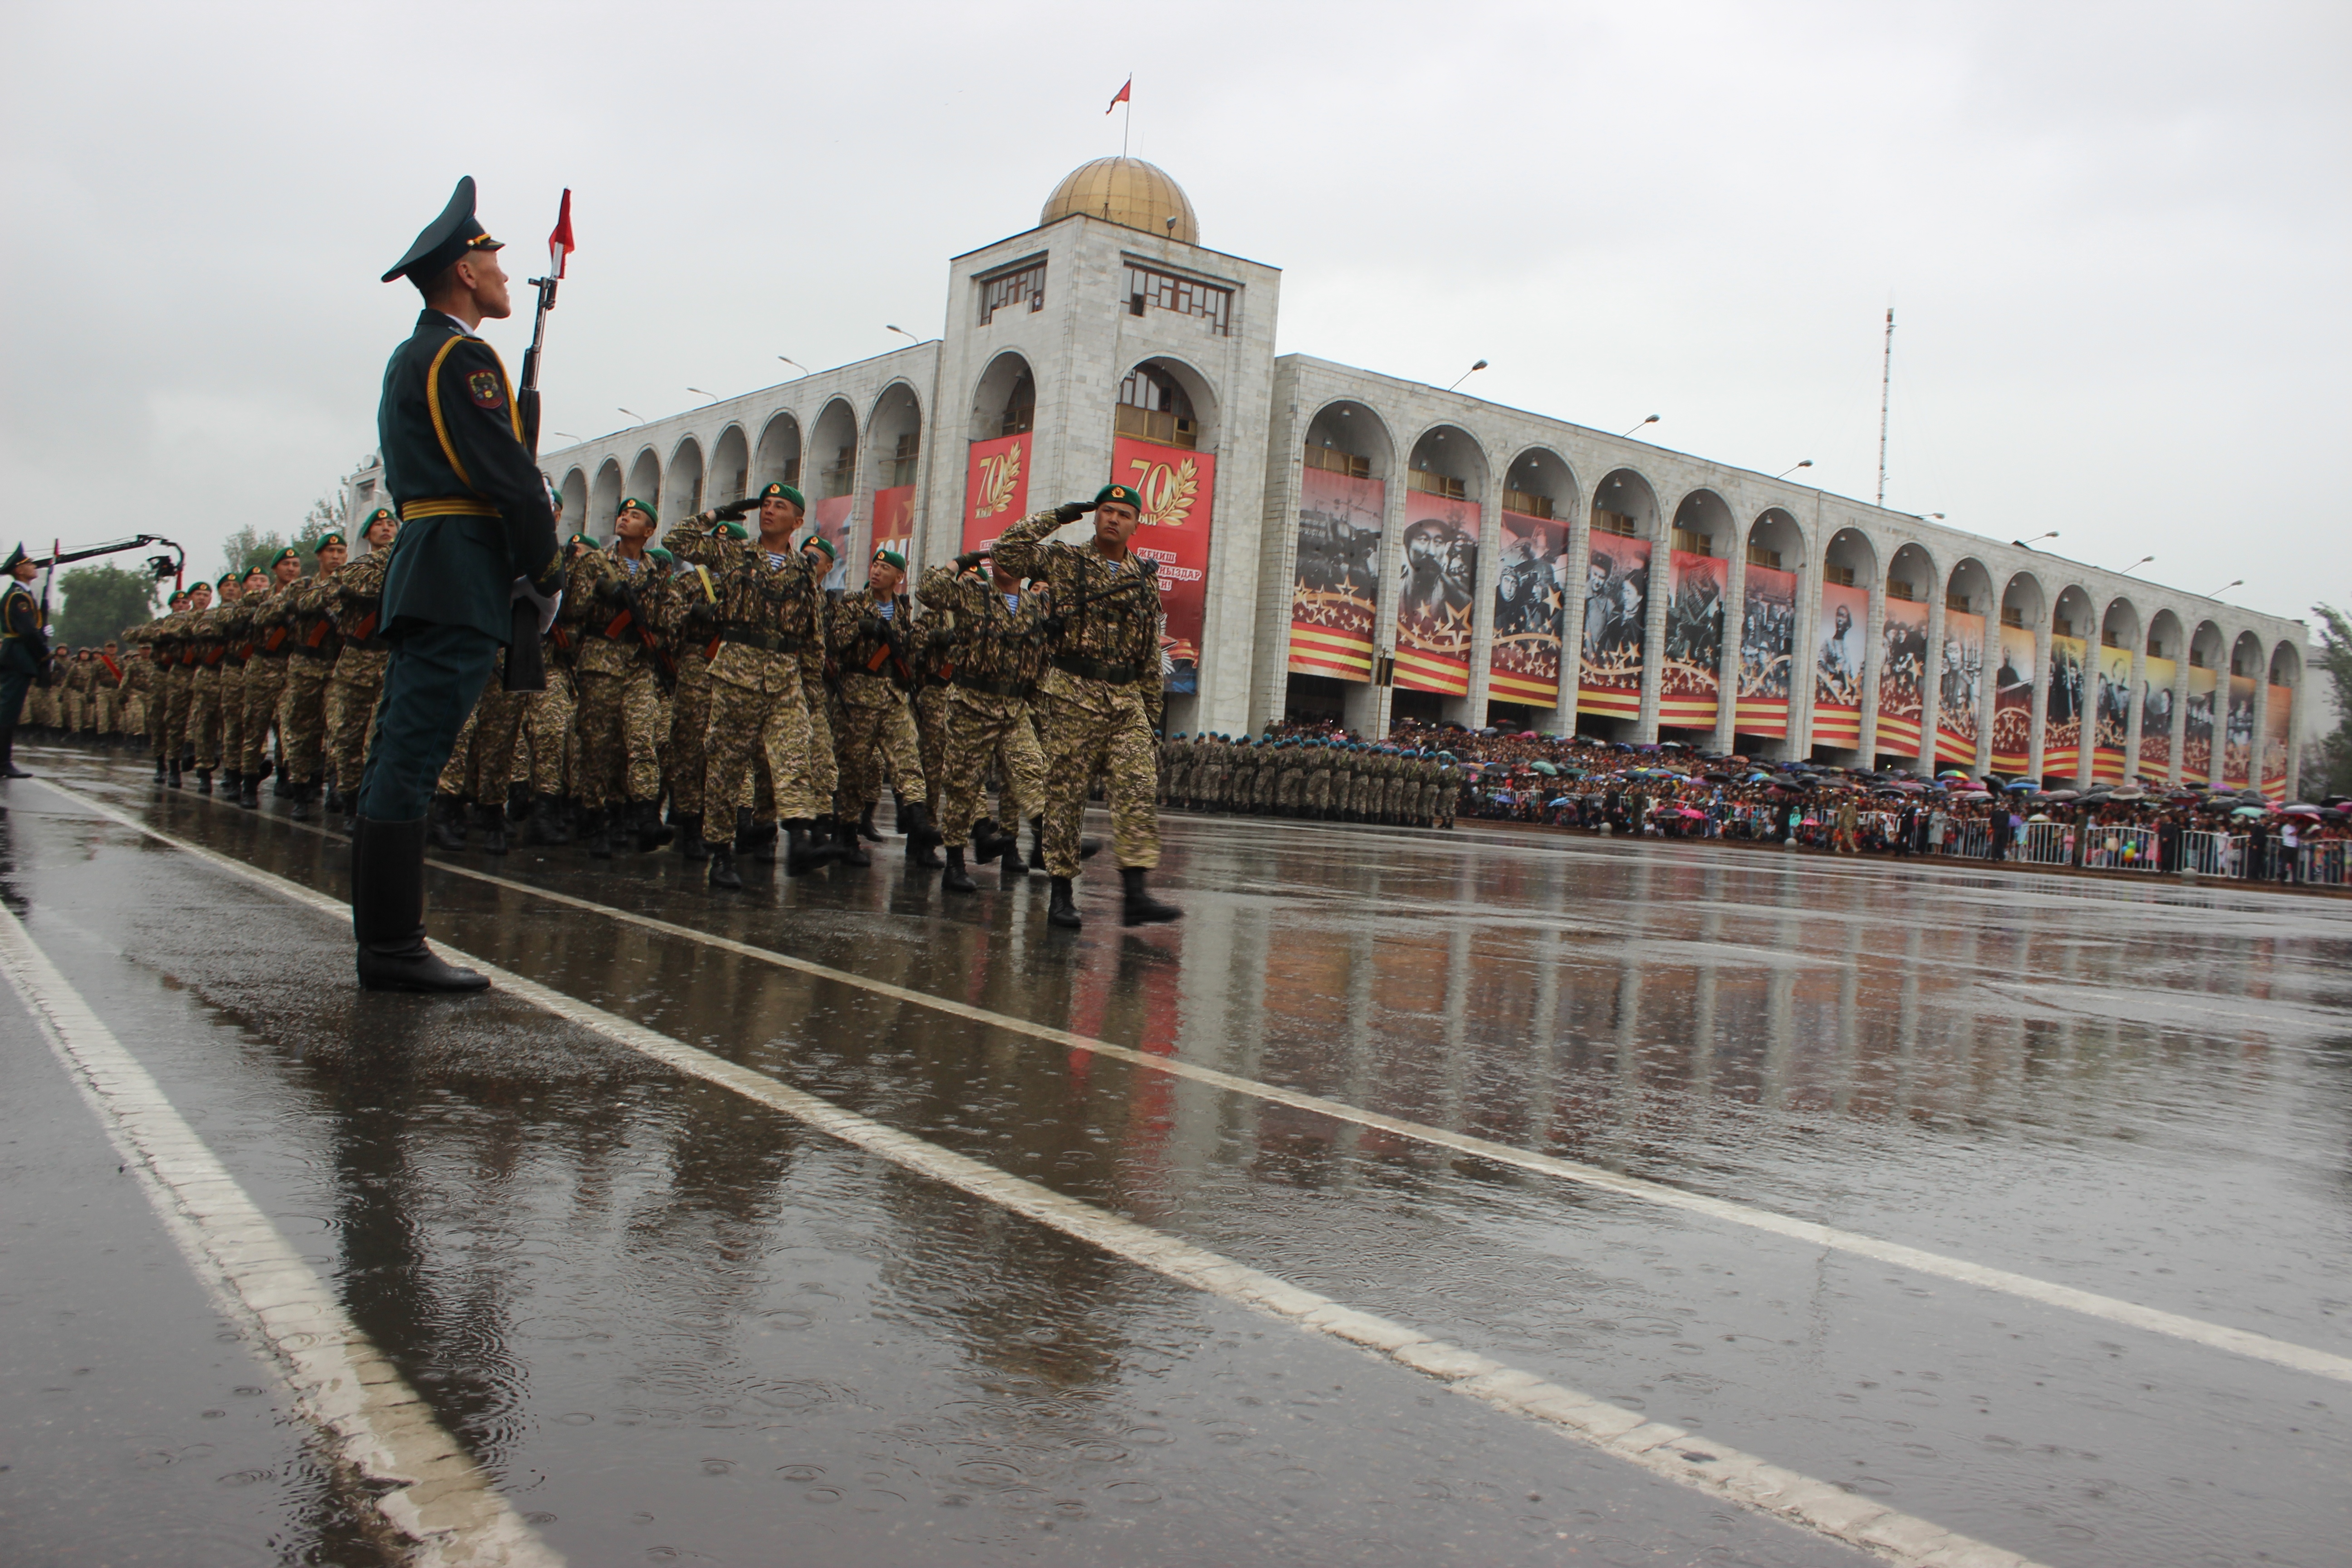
[1968, 588]
[2071, 693]
[777, 459]
[1446, 452]
[1623, 493]
[2164, 635]
[1447, 477]
[2286, 665]
[1776, 533]
[1851, 557]
[2246, 654]
[894, 428]
[2119, 624]
[833, 451]
[2073, 615]
[1705, 515]
[683, 481]
[1966, 652]
[644, 482]
[1911, 573]
[1535, 559]
[575, 492]
[1904, 658]
[2207, 646]
[603, 501]
[1346, 428]
[1345, 461]
[1163, 399]
[731, 466]
[1004, 399]
[1540, 482]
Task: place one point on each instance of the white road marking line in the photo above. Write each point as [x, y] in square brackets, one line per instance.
[1669, 1452]
[2024, 1287]
[378, 1427]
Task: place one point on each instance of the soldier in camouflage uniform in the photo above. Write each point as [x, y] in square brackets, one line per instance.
[237, 626]
[209, 636]
[1317, 797]
[180, 676]
[1099, 697]
[269, 631]
[1449, 787]
[146, 676]
[692, 592]
[356, 599]
[868, 638]
[765, 598]
[312, 648]
[618, 680]
[998, 649]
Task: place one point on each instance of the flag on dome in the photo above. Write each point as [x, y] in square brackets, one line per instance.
[559, 244]
[1122, 95]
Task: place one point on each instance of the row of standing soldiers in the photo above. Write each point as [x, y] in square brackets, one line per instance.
[1326, 780]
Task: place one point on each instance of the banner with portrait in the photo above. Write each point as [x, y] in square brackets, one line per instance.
[2111, 716]
[1530, 591]
[1959, 690]
[2197, 730]
[2238, 733]
[1334, 588]
[1840, 656]
[2062, 719]
[1902, 678]
[1436, 612]
[894, 524]
[2156, 718]
[995, 489]
[2012, 702]
[1690, 683]
[1616, 608]
[1767, 642]
[2276, 719]
[1179, 489]
[832, 519]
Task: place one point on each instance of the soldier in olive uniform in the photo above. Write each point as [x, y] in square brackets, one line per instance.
[1000, 648]
[181, 676]
[617, 677]
[1099, 697]
[365, 652]
[868, 637]
[208, 641]
[270, 626]
[312, 648]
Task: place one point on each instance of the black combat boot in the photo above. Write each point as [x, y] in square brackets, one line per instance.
[598, 833]
[334, 798]
[546, 825]
[176, 769]
[763, 842]
[305, 794]
[652, 832]
[8, 768]
[987, 840]
[1037, 843]
[849, 849]
[722, 867]
[388, 913]
[956, 879]
[804, 851]
[922, 840]
[690, 846]
[1059, 908]
[448, 817]
[494, 829]
[865, 828]
[898, 813]
[1141, 908]
[1010, 868]
[159, 769]
[233, 787]
[248, 798]
[203, 781]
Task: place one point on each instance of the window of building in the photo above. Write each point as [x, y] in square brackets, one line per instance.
[792, 472]
[1526, 503]
[836, 474]
[1152, 407]
[1148, 289]
[2154, 650]
[1842, 575]
[1896, 588]
[742, 480]
[2109, 640]
[1025, 281]
[1691, 544]
[1759, 556]
[1956, 600]
[2011, 615]
[902, 459]
[1020, 408]
[2196, 660]
[1617, 522]
[2062, 627]
[1431, 484]
[1332, 460]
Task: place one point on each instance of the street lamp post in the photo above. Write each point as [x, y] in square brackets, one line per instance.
[1783, 474]
[1467, 374]
[1652, 419]
[2030, 543]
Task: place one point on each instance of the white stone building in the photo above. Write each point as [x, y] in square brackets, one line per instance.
[1471, 537]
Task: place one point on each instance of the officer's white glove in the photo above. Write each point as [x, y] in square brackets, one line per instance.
[545, 603]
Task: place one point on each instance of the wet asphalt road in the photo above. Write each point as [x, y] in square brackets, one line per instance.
[675, 1325]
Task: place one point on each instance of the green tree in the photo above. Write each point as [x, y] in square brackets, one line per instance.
[100, 601]
[2336, 662]
[250, 546]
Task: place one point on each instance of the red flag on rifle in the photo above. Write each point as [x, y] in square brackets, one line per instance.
[559, 244]
[1122, 96]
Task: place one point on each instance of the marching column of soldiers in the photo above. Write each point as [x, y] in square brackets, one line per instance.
[1320, 778]
[712, 672]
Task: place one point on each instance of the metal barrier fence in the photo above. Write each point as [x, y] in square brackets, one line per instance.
[2108, 847]
[1970, 839]
[2211, 854]
[2046, 844]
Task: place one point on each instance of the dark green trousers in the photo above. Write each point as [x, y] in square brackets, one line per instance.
[430, 684]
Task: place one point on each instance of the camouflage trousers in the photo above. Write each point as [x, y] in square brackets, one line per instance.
[619, 719]
[265, 689]
[869, 736]
[352, 693]
[171, 708]
[302, 715]
[546, 724]
[823, 755]
[1088, 727]
[982, 730]
[204, 721]
[756, 745]
[1289, 788]
[687, 762]
[481, 760]
[930, 735]
[1318, 791]
[107, 710]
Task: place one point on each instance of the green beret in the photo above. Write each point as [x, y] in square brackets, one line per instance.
[257, 570]
[891, 557]
[1119, 493]
[734, 531]
[583, 538]
[820, 542]
[327, 539]
[784, 492]
[658, 553]
[225, 578]
[380, 514]
[288, 553]
[629, 501]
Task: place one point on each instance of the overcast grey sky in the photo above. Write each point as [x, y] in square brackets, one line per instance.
[2114, 236]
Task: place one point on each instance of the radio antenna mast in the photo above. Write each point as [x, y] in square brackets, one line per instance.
[1886, 383]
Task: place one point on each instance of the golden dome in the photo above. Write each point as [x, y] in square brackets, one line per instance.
[1125, 191]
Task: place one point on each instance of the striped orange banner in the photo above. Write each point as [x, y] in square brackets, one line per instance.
[1314, 651]
[1419, 671]
[1837, 726]
[1514, 689]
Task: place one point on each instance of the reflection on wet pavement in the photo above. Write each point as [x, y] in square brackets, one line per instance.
[673, 1321]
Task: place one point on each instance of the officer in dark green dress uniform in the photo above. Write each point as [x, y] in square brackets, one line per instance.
[478, 534]
[24, 650]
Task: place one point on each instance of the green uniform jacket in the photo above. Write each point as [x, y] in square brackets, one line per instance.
[473, 510]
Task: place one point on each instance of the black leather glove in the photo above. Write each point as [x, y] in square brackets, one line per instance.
[872, 627]
[1069, 511]
[737, 510]
[970, 561]
[610, 591]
